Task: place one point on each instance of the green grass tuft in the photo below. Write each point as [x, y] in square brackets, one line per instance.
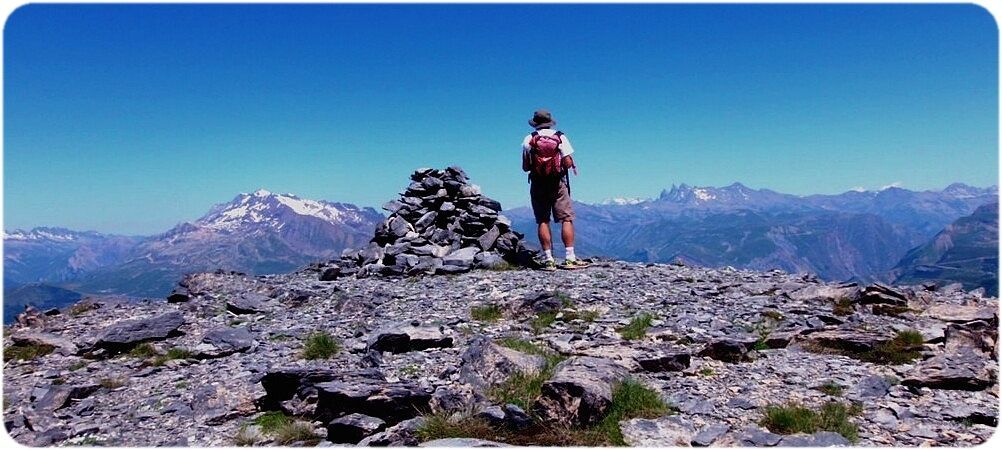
[143, 351]
[637, 328]
[631, 399]
[26, 352]
[542, 321]
[486, 313]
[831, 388]
[320, 345]
[174, 353]
[794, 418]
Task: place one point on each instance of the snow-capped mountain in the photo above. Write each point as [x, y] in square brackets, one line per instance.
[624, 201]
[255, 233]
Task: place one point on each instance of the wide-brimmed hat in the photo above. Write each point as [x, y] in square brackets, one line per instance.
[542, 119]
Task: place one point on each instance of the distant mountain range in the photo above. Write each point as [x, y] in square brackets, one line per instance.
[967, 252]
[851, 236]
[856, 235]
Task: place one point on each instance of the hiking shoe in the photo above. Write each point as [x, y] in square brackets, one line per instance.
[549, 266]
[574, 264]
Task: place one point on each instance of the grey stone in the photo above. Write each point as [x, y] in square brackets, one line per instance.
[668, 431]
[123, 335]
[709, 434]
[407, 337]
[247, 303]
[486, 364]
[353, 428]
[580, 391]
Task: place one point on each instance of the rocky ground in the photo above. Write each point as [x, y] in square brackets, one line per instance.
[720, 346]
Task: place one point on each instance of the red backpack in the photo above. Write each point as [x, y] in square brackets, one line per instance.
[545, 154]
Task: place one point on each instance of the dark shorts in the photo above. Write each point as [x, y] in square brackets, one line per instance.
[551, 198]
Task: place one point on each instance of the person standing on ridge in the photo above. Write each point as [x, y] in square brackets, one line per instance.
[546, 156]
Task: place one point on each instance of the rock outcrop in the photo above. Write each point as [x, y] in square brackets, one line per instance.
[441, 224]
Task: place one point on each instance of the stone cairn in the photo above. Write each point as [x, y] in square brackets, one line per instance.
[441, 224]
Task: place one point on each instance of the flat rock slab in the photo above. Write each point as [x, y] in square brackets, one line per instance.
[757, 437]
[709, 434]
[880, 294]
[486, 364]
[961, 313]
[668, 431]
[580, 391]
[62, 345]
[964, 369]
[408, 338]
[125, 334]
[391, 402]
[247, 303]
[225, 341]
[847, 339]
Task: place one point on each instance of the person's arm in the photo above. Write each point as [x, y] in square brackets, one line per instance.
[526, 157]
[567, 150]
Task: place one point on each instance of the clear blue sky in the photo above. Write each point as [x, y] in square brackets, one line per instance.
[130, 119]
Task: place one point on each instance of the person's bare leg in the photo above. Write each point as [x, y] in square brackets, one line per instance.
[566, 233]
[545, 240]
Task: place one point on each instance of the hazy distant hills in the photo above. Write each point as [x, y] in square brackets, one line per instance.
[854, 235]
[965, 252]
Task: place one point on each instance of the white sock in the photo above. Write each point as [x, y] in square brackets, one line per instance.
[570, 254]
[549, 254]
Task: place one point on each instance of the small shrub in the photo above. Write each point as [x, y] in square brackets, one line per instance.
[793, 418]
[842, 307]
[486, 313]
[760, 345]
[637, 328]
[706, 372]
[111, 383]
[181, 385]
[320, 345]
[410, 370]
[831, 388]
